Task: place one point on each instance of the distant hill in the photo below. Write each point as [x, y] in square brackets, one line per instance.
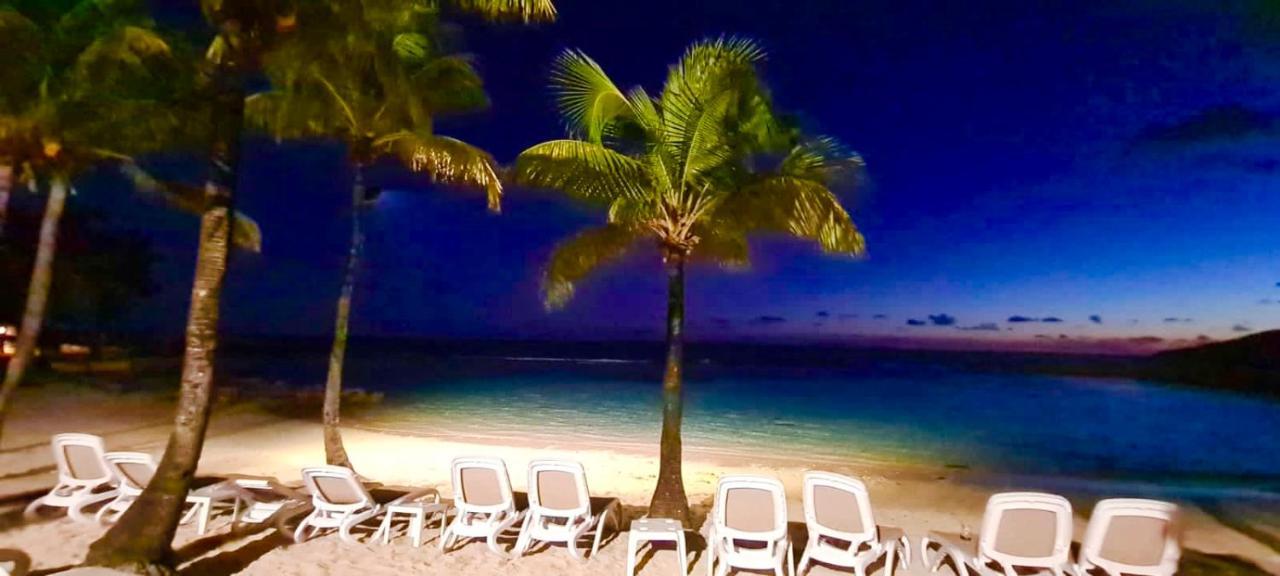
[1251, 363]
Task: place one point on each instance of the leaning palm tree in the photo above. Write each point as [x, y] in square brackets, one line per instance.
[92, 83]
[244, 32]
[695, 171]
[376, 84]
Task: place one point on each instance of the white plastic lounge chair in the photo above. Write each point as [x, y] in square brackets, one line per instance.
[1020, 530]
[134, 471]
[842, 528]
[260, 498]
[339, 500]
[560, 508]
[1131, 536]
[749, 527]
[83, 476]
[485, 506]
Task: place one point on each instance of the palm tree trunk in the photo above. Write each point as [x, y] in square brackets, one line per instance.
[669, 500]
[141, 541]
[37, 294]
[6, 189]
[334, 452]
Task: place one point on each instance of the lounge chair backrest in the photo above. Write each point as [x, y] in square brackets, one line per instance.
[839, 506]
[335, 488]
[79, 459]
[750, 508]
[1026, 529]
[133, 469]
[481, 485]
[558, 488]
[1134, 536]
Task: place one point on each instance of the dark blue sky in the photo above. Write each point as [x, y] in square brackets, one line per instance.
[1048, 160]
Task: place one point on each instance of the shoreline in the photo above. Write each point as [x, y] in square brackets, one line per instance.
[244, 439]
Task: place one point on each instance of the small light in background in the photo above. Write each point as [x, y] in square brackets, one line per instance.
[8, 349]
[6, 330]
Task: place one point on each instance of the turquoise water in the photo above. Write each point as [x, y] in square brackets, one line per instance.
[900, 412]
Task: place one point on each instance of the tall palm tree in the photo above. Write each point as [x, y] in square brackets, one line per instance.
[244, 32]
[376, 84]
[90, 82]
[695, 171]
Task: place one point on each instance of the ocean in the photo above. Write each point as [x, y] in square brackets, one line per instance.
[818, 406]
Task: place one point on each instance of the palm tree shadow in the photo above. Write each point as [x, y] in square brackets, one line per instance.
[233, 561]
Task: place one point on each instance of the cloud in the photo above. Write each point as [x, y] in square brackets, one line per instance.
[1177, 320]
[1020, 319]
[1277, 284]
[1219, 123]
[848, 316]
[1096, 319]
[1145, 340]
[1266, 301]
[983, 327]
[942, 319]
[823, 314]
[881, 316]
[914, 322]
[1241, 328]
[768, 320]
[720, 321]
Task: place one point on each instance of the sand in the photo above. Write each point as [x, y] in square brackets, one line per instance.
[246, 440]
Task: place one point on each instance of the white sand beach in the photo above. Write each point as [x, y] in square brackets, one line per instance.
[245, 440]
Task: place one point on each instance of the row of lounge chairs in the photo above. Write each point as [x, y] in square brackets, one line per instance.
[748, 527]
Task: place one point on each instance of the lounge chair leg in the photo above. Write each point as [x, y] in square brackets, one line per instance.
[631, 557]
[492, 542]
[415, 526]
[29, 513]
[601, 523]
[683, 556]
[890, 556]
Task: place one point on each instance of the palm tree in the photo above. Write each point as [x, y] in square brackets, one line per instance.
[376, 84]
[244, 32]
[695, 171]
[90, 83]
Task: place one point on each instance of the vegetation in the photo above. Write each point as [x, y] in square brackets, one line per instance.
[375, 75]
[694, 171]
[85, 82]
[100, 272]
[245, 32]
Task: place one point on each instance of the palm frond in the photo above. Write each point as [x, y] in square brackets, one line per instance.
[588, 99]
[723, 245]
[576, 258]
[449, 161]
[802, 208]
[22, 45]
[520, 10]
[822, 159]
[245, 233]
[582, 169]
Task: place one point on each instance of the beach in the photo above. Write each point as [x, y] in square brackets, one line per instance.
[245, 439]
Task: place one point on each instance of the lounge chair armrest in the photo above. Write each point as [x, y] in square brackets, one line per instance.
[418, 496]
